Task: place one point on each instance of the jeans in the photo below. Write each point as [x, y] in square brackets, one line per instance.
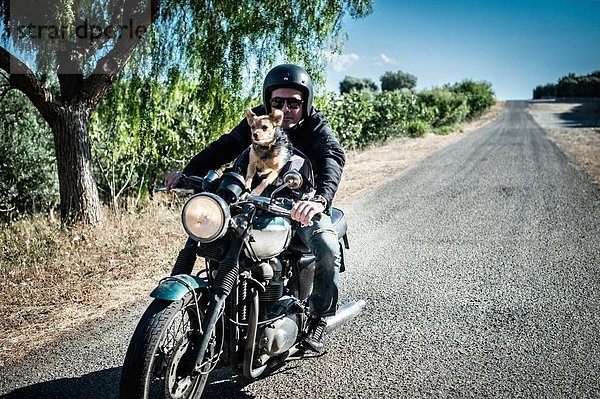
[322, 240]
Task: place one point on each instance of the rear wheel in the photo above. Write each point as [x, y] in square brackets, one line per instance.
[162, 351]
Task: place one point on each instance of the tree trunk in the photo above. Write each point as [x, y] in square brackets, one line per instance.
[79, 201]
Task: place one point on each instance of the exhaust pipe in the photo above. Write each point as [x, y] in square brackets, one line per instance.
[345, 313]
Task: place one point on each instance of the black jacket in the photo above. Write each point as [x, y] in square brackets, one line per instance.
[313, 136]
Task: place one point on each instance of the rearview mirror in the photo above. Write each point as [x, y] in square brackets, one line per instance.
[293, 179]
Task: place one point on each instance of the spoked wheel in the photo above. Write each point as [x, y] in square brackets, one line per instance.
[160, 358]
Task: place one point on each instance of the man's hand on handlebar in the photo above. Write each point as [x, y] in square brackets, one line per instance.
[171, 180]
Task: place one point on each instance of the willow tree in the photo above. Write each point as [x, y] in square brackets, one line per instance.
[64, 54]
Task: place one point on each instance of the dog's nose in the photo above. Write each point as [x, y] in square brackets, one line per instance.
[255, 135]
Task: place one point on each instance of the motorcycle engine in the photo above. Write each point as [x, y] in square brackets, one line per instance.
[279, 336]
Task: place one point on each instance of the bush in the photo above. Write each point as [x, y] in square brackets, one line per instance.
[444, 108]
[352, 119]
[394, 109]
[417, 128]
[28, 171]
[362, 118]
[480, 96]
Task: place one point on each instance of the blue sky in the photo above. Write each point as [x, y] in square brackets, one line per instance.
[515, 45]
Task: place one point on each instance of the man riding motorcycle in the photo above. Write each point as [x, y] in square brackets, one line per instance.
[289, 87]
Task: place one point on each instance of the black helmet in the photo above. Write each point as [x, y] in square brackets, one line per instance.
[288, 75]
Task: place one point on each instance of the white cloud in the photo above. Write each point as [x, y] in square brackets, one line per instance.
[341, 62]
[382, 60]
[386, 59]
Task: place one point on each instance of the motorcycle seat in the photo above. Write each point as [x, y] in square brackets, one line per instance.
[339, 223]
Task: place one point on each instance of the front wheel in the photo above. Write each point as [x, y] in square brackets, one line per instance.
[160, 358]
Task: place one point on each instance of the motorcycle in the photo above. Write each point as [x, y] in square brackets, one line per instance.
[248, 308]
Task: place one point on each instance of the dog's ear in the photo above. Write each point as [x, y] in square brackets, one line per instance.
[250, 116]
[277, 117]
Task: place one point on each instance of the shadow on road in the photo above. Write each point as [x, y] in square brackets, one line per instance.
[105, 385]
[583, 115]
[222, 384]
[100, 384]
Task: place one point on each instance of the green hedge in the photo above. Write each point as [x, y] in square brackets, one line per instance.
[141, 129]
[445, 109]
[364, 118]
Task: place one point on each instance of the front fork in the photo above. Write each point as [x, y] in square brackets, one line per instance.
[224, 282]
[186, 258]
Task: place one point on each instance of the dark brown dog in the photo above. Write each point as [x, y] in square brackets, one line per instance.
[270, 148]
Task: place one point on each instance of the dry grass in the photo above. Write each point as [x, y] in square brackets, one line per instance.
[583, 147]
[55, 279]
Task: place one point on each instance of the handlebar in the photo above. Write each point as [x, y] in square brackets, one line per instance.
[186, 185]
[176, 190]
[278, 206]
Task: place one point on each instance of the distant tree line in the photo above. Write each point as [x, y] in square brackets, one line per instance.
[570, 86]
[389, 81]
[350, 83]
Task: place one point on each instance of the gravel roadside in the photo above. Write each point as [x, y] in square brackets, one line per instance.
[575, 127]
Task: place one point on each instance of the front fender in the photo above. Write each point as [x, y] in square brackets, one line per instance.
[174, 288]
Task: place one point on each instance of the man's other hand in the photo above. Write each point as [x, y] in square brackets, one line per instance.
[304, 211]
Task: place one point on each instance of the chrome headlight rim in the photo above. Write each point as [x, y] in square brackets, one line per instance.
[222, 206]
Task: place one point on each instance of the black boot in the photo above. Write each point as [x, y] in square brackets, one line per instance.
[315, 337]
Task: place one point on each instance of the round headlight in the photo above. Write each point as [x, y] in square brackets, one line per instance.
[205, 217]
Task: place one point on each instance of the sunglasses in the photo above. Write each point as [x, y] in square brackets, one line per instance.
[292, 103]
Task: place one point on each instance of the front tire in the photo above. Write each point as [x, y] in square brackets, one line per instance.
[162, 351]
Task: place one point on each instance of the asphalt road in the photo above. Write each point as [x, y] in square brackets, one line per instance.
[481, 271]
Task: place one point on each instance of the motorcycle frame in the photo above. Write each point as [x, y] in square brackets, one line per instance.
[223, 291]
